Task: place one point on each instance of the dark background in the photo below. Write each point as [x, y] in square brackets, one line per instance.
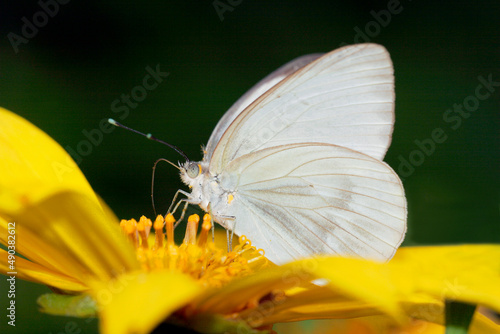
[65, 78]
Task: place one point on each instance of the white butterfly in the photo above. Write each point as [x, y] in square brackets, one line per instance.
[295, 164]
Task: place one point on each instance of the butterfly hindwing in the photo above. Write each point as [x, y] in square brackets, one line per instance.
[302, 199]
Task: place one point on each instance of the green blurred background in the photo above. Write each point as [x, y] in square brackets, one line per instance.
[66, 78]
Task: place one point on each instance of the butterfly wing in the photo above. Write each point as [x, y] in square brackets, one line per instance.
[297, 200]
[345, 97]
[257, 90]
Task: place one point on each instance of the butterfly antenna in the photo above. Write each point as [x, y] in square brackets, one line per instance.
[150, 137]
[153, 180]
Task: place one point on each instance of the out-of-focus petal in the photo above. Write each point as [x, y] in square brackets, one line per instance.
[33, 165]
[137, 303]
[33, 272]
[68, 233]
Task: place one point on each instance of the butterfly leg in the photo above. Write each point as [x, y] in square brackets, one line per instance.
[230, 242]
[177, 204]
[186, 202]
[229, 236]
[175, 198]
[211, 222]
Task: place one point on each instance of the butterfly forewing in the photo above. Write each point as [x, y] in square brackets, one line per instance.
[256, 91]
[345, 97]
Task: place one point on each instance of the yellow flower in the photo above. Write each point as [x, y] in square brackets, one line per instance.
[134, 280]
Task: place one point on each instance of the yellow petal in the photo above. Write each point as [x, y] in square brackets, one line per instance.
[417, 280]
[466, 273]
[68, 233]
[139, 303]
[315, 303]
[366, 281]
[424, 307]
[33, 272]
[33, 165]
[354, 280]
[483, 325]
[423, 278]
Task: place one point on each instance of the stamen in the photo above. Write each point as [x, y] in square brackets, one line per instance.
[191, 229]
[148, 226]
[169, 222]
[130, 229]
[158, 226]
[205, 227]
[199, 257]
[143, 227]
[122, 224]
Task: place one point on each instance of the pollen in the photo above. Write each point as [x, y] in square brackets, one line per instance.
[197, 256]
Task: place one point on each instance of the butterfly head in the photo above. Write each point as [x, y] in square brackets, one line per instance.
[192, 172]
[194, 175]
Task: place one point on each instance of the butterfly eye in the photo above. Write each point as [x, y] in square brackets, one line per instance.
[193, 170]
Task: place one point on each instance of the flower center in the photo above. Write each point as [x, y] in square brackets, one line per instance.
[197, 256]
